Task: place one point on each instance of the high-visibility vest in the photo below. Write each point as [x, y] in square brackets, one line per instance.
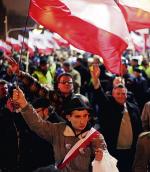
[44, 79]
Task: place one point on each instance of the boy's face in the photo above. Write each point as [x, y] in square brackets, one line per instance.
[78, 119]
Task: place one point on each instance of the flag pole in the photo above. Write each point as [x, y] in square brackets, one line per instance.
[22, 46]
[25, 29]
[27, 62]
[6, 26]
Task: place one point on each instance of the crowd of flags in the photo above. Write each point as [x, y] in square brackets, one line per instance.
[102, 27]
[98, 26]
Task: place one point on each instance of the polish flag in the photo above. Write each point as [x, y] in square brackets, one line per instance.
[23, 41]
[40, 41]
[138, 41]
[95, 26]
[136, 12]
[14, 43]
[147, 41]
[27, 44]
[5, 47]
[60, 41]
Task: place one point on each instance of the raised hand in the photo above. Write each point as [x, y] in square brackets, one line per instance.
[19, 98]
[14, 66]
[95, 71]
[95, 74]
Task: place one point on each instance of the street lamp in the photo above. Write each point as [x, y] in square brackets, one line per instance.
[18, 29]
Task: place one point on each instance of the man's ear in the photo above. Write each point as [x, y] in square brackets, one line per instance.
[46, 111]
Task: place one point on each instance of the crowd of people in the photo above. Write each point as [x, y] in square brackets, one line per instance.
[64, 101]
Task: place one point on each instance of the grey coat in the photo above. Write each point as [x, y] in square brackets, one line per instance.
[54, 133]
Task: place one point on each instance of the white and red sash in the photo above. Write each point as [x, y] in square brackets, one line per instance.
[82, 143]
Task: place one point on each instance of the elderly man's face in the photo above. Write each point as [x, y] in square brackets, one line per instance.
[120, 95]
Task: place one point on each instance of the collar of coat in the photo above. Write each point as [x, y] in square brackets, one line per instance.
[68, 132]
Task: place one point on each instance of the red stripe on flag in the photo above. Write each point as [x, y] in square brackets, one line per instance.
[136, 18]
[55, 16]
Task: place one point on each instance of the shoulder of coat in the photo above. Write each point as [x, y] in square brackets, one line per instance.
[145, 134]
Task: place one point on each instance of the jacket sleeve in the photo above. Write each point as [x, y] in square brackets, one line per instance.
[146, 117]
[44, 129]
[27, 80]
[141, 158]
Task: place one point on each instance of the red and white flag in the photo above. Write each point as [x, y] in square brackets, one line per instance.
[16, 45]
[138, 41]
[96, 26]
[60, 41]
[5, 47]
[147, 41]
[136, 12]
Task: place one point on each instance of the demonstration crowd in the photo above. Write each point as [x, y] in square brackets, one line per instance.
[51, 103]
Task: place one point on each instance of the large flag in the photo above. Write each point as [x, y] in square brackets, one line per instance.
[16, 45]
[96, 26]
[136, 12]
[5, 47]
[138, 41]
[147, 41]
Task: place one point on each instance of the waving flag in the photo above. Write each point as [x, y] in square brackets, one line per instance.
[136, 12]
[5, 47]
[16, 45]
[138, 41]
[96, 26]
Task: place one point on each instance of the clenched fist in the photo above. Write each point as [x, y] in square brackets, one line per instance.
[19, 98]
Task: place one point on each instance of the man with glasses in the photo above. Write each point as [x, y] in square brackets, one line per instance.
[62, 93]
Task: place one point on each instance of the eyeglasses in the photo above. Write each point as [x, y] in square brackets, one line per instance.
[66, 82]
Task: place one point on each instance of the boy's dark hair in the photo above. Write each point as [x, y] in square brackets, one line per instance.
[2, 81]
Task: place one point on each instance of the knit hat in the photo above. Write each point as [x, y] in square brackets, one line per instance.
[77, 102]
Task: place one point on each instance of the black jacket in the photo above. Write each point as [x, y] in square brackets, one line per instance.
[111, 117]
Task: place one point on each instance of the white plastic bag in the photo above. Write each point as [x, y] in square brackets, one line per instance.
[107, 164]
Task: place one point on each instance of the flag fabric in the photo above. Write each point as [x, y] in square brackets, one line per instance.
[147, 41]
[60, 41]
[5, 47]
[16, 45]
[136, 13]
[138, 41]
[95, 26]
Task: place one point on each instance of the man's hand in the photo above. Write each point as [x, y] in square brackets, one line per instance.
[95, 74]
[95, 71]
[19, 98]
[98, 154]
[14, 66]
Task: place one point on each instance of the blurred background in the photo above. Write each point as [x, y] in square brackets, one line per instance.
[13, 14]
